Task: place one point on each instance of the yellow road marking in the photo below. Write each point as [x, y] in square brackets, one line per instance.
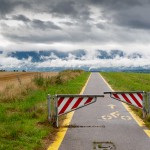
[139, 121]
[106, 82]
[62, 131]
[147, 132]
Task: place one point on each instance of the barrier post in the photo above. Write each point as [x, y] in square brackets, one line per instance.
[49, 107]
[148, 98]
[144, 108]
[144, 105]
[56, 111]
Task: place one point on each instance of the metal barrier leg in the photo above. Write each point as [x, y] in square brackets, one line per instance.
[148, 98]
[56, 112]
[146, 104]
[49, 107]
[57, 122]
[144, 113]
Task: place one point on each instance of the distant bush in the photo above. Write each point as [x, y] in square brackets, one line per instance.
[15, 70]
[65, 76]
[39, 79]
[61, 78]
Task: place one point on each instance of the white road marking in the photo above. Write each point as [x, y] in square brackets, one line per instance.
[111, 106]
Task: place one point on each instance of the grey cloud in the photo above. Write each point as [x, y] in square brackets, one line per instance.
[117, 4]
[7, 6]
[67, 23]
[100, 26]
[127, 13]
[113, 22]
[139, 24]
[64, 7]
[44, 25]
[137, 18]
[136, 24]
[21, 18]
[35, 38]
[74, 35]
[74, 9]
[51, 36]
[36, 23]
[58, 8]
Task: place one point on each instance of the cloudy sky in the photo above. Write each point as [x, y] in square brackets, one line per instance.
[75, 24]
[67, 25]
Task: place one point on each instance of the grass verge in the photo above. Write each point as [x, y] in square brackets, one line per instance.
[23, 118]
[123, 81]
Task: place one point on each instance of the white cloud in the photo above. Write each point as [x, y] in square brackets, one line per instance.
[96, 63]
[90, 60]
[8, 62]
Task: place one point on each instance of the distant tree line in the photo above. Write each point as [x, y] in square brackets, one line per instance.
[2, 70]
[19, 71]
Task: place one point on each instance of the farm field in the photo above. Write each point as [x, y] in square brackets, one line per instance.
[15, 78]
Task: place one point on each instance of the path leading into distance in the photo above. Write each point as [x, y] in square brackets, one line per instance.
[107, 120]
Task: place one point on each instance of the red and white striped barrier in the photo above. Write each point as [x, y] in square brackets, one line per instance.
[67, 103]
[132, 98]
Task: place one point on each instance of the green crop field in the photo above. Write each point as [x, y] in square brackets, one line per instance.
[23, 111]
[123, 81]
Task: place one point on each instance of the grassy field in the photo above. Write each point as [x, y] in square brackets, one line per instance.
[123, 81]
[23, 116]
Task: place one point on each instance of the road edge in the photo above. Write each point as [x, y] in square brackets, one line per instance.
[62, 131]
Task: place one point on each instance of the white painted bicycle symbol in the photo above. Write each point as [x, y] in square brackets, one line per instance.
[115, 115]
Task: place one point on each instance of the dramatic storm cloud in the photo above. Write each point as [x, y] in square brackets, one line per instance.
[67, 25]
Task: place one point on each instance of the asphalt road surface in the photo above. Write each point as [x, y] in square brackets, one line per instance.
[107, 120]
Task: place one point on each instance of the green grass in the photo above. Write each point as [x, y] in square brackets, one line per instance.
[123, 81]
[23, 122]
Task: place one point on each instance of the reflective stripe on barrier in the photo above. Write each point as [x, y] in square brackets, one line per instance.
[132, 98]
[67, 103]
